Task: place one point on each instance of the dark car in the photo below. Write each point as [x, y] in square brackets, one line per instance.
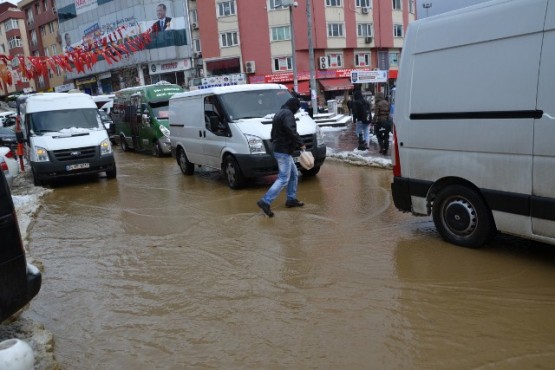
[19, 281]
[107, 122]
[7, 137]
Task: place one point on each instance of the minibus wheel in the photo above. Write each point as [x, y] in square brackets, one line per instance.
[232, 173]
[123, 144]
[186, 167]
[461, 216]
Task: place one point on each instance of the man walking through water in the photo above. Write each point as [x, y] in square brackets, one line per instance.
[286, 141]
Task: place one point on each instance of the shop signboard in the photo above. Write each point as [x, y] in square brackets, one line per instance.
[362, 77]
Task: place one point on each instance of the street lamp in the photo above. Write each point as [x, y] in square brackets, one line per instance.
[427, 6]
[292, 4]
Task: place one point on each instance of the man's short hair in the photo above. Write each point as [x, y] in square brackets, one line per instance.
[163, 6]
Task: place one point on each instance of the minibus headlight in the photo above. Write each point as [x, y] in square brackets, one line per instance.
[256, 145]
[41, 154]
[164, 131]
[105, 147]
[319, 136]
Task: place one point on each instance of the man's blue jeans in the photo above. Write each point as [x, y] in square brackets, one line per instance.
[364, 129]
[287, 176]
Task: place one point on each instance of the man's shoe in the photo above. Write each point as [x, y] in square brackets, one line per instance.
[293, 203]
[265, 207]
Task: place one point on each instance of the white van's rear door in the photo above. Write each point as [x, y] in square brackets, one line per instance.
[543, 195]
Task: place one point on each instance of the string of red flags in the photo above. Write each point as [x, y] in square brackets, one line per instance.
[112, 48]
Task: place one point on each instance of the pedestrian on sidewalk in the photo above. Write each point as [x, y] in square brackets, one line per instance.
[382, 122]
[286, 141]
[360, 116]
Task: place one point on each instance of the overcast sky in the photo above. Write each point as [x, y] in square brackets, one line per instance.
[442, 6]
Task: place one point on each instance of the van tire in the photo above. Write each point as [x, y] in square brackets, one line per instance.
[111, 174]
[310, 173]
[232, 173]
[186, 167]
[123, 144]
[462, 217]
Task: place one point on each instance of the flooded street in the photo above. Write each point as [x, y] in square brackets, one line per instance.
[159, 270]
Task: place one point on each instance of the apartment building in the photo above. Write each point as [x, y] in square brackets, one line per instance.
[13, 42]
[254, 38]
[41, 19]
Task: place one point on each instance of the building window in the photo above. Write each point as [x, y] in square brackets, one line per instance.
[194, 16]
[58, 70]
[396, 4]
[3, 47]
[334, 2]
[196, 45]
[363, 3]
[46, 52]
[412, 6]
[51, 27]
[15, 42]
[397, 30]
[29, 14]
[335, 29]
[54, 49]
[44, 5]
[33, 38]
[43, 30]
[283, 64]
[362, 60]
[335, 60]
[281, 33]
[275, 4]
[393, 59]
[365, 30]
[228, 39]
[11, 24]
[226, 8]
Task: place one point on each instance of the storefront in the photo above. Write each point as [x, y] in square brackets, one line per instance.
[174, 71]
[88, 85]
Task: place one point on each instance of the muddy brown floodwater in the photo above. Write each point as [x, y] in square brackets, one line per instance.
[161, 271]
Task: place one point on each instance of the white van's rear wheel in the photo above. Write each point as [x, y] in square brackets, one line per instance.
[186, 167]
[232, 173]
[462, 217]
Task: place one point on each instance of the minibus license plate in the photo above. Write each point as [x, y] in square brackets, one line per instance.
[79, 166]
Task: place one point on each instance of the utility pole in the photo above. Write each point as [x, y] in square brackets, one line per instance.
[313, 89]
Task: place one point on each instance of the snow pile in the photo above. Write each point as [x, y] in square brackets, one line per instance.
[360, 158]
[26, 207]
[75, 131]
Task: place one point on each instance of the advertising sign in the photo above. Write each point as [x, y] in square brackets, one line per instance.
[82, 6]
[362, 77]
[171, 66]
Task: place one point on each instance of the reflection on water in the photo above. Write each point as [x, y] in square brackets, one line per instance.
[159, 270]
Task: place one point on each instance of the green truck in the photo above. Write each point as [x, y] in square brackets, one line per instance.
[140, 116]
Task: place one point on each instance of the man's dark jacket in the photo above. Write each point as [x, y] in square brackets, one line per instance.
[285, 137]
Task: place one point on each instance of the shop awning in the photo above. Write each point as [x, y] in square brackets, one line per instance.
[336, 84]
[304, 87]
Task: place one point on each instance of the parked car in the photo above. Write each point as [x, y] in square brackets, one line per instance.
[107, 122]
[8, 155]
[7, 137]
[4, 117]
[19, 281]
[6, 171]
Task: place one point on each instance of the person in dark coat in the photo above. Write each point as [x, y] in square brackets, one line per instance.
[163, 22]
[286, 140]
[382, 122]
[360, 117]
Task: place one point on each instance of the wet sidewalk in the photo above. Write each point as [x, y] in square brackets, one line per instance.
[342, 145]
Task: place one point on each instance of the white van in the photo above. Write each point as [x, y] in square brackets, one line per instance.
[64, 136]
[475, 122]
[229, 128]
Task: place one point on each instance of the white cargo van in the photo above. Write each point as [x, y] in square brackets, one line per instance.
[475, 122]
[64, 136]
[229, 128]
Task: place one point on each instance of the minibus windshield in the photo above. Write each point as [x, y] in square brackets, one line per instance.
[160, 109]
[57, 120]
[253, 104]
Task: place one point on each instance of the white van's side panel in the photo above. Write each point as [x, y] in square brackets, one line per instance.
[186, 126]
[543, 200]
